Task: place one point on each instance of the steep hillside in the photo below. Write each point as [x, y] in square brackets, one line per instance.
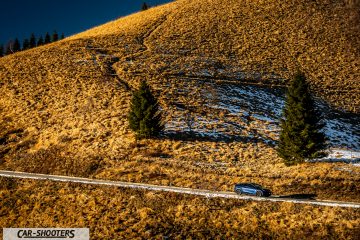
[63, 106]
[259, 41]
[245, 41]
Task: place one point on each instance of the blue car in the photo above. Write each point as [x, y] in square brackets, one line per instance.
[252, 189]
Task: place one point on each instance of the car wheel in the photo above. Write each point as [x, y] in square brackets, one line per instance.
[259, 194]
[238, 192]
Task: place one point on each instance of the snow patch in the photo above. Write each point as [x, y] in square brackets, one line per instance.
[341, 155]
[261, 109]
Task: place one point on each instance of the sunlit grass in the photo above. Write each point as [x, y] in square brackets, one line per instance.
[71, 111]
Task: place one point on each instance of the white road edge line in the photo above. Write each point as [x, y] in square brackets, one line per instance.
[150, 187]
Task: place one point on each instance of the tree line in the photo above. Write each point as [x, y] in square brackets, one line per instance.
[15, 46]
[301, 135]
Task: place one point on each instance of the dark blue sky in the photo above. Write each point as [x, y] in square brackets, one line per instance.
[20, 18]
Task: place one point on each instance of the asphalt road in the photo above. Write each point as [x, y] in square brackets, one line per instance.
[199, 192]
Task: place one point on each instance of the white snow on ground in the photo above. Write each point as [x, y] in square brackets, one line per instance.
[342, 133]
[263, 118]
[262, 108]
[203, 127]
[341, 155]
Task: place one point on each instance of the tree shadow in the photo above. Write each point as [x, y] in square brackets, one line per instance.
[211, 137]
[302, 196]
[337, 160]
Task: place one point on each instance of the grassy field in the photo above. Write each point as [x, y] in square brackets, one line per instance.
[65, 90]
[63, 111]
[116, 213]
[63, 106]
[200, 164]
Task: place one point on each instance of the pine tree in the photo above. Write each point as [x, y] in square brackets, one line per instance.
[301, 137]
[144, 116]
[16, 46]
[26, 44]
[47, 38]
[9, 48]
[144, 7]
[55, 37]
[62, 36]
[1, 50]
[32, 41]
[40, 41]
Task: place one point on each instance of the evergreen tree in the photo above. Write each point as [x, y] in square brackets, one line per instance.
[32, 41]
[301, 135]
[62, 36]
[16, 46]
[144, 7]
[47, 38]
[40, 41]
[9, 48]
[26, 44]
[1, 50]
[144, 116]
[55, 37]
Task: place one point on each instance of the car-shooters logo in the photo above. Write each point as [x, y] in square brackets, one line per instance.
[46, 233]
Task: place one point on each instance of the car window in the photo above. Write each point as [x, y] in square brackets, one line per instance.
[256, 185]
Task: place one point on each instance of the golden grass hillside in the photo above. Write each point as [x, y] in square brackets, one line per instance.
[116, 213]
[63, 106]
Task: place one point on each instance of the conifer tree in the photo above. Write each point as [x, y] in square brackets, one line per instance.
[40, 41]
[32, 41]
[1, 50]
[16, 46]
[47, 38]
[9, 48]
[26, 44]
[62, 36]
[55, 37]
[301, 137]
[144, 116]
[144, 7]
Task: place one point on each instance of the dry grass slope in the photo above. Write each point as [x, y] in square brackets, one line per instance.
[132, 214]
[63, 106]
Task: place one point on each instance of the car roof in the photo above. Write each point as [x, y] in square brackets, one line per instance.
[249, 184]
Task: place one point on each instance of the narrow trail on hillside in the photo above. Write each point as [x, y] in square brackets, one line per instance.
[108, 65]
[142, 41]
[147, 35]
[180, 190]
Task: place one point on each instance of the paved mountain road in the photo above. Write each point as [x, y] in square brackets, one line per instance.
[199, 192]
